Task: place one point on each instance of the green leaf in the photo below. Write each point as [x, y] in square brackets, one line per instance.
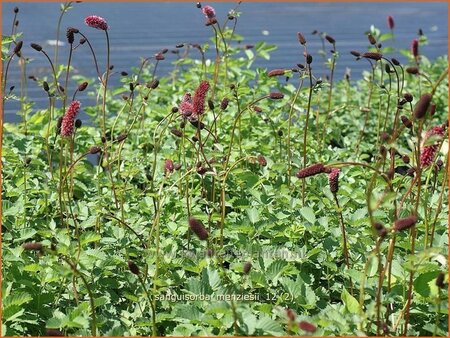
[423, 282]
[53, 323]
[214, 279]
[89, 237]
[268, 325]
[188, 311]
[384, 37]
[250, 54]
[250, 322]
[308, 214]
[18, 298]
[184, 330]
[293, 287]
[253, 215]
[350, 302]
[275, 270]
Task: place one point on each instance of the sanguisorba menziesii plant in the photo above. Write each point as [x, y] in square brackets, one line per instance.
[224, 199]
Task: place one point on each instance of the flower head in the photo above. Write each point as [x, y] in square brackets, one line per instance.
[32, 246]
[311, 170]
[168, 166]
[192, 107]
[198, 228]
[224, 103]
[307, 326]
[428, 153]
[209, 12]
[186, 108]
[133, 267]
[422, 106]
[97, 22]
[333, 180]
[390, 22]
[290, 314]
[198, 102]
[70, 34]
[68, 120]
[405, 223]
[373, 56]
[262, 160]
[276, 72]
[247, 267]
[415, 48]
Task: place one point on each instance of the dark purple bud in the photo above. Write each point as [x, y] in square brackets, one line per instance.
[94, 150]
[301, 38]
[18, 47]
[198, 228]
[422, 106]
[247, 267]
[405, 223]
[82, 86]
[36, 47]
[133, 267]
[371, 39]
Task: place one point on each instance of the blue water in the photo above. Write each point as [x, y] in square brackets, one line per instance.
[141, 29]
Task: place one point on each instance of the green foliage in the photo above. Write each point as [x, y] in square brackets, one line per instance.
[95, 214]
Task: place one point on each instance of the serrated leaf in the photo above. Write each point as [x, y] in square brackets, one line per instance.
[294, 288]
[275, 270]
[253, 215]
[89, 237]
[214, 279]
[32, 267]
[188, 311]
[184, 330]
[422, 283]
[350, 302]
[268, 325]
[18, 298]
[308, 214]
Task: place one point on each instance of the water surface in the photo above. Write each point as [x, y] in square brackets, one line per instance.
[141, 29]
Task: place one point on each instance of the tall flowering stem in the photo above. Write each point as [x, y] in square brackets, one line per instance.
[333, 180]
[100, 23]
[291, 111]
[93, 55]
[89, 291]
[211, 18]
[309, 59]
[64, 9]
[222, 196]
[330, 92]
[236, 120]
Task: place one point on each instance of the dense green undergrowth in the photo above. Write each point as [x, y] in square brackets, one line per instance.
[142, 222]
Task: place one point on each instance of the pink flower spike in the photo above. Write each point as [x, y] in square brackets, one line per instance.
[168, 166]
[415, 48]
[198, 101]
[333, 180]
[187, 98]
[428, 153]
[186, 109]
[97, 22]
[209, 12]
[68, 120]
[390, 22]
